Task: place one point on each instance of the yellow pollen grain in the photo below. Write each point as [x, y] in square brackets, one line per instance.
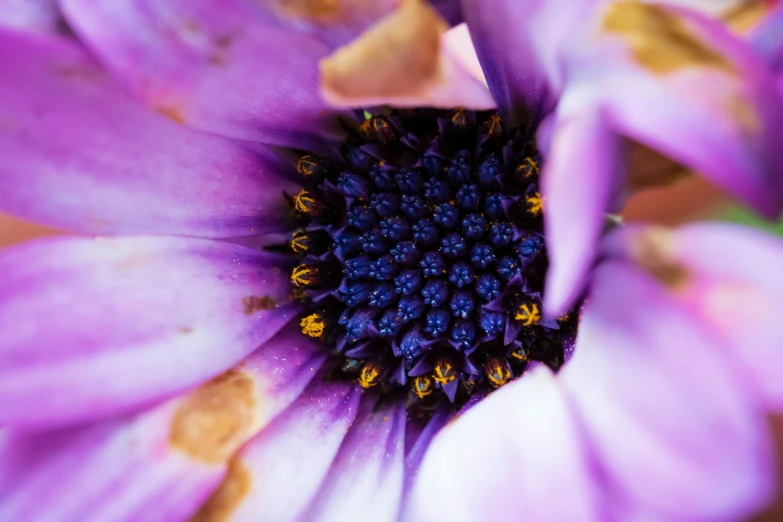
[497, 372]
[528, 314]
[313, 325]
[659, 40]
[535, 203]
[369, 375]
[422, 386]
[303, 201]
[444, 373]
[300, 275]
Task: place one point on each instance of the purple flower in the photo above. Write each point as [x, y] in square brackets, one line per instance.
[245, 355]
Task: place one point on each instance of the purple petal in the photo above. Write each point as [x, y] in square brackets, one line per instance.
[767, 38]
[715, 110]
[733, 281]
[670, 422]
[215, 63]
[30, 15]
[157, 466]
[283, 467]
[518, 43]
[98, 326]
[80, 155]
[578, 184]
[517, 451]
[367, 474]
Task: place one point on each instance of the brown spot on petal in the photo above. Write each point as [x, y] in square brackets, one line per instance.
[253, 303]
[225, 499]
[311, 9]
[745, 16]
[652, 253]
[659, 39]
[399, 56]
[649, 168]
[213, 421]
[172, 113]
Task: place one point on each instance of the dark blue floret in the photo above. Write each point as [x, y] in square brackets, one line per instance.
[488, 287]
[437, 322]
[353, 186]
[435, 292]
[468, 197]
[425, 232]
[357, 267]
[453, 245]
[462, 304]
[473, 226]
[405, 253]
[413, 207]
[482, 256]
[382, 296]
[410, 307]
[416, 264]
[432, 264]
[373, 242]
[384, 268]
[459, 168]
[408, 282]
[436, 191]
[395, 228]
[460, 274]
[409, 181]
[363, 218]
[500, 234]
[446, 215]
[385, 204]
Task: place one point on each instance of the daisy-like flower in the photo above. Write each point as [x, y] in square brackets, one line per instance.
[248, 356]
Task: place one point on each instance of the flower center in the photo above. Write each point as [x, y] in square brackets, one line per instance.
[422, 255]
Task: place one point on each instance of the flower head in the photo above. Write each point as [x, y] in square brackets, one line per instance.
[183, 369]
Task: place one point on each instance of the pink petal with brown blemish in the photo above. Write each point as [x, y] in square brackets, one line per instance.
[402, 61]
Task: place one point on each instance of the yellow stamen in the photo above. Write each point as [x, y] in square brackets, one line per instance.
[422, 386]
[494, 126]
[299, 242]
[519, 353]
[528, 168]
[370, 374]
[307, 165]
[497, 372]
[528, 314]
[301, 275]
[304, 202]
[313, 325]
[444, 372]
[535, 203]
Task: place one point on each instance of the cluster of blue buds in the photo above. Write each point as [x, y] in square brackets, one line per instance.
[422, 256]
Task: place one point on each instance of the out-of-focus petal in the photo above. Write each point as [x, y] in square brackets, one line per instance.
[276, 475]
[92, 327]
[160, 465]
[366, 477]
[667, 415]
[79, 154]
[30, 15]
[681, 84]
[578, 182]
[402, 61]
[730, 275]
[215, 64]
[516, 452]
[519, 43]
[766, 37]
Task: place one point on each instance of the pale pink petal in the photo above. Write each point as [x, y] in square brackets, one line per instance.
[516, 454]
